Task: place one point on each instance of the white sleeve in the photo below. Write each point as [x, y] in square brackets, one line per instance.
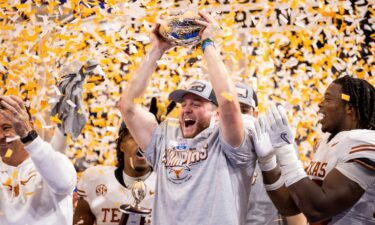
[54, 167]
[58, 141]
[357, 173]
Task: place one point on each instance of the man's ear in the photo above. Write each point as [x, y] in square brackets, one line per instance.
[350, 110]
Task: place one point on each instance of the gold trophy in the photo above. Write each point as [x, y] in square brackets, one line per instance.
[181, 28]
[139, 191]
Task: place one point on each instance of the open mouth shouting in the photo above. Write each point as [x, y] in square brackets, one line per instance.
[188, 127]
[321, 117]
[189, 123]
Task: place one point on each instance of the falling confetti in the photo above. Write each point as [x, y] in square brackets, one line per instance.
[289, 50]
[8, 153]
[227, 96]
[345, 97]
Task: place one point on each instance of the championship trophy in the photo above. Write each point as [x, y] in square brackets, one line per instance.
[139, 191]
[181, 28]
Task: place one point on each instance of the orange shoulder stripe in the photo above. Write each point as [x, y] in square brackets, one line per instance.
[362, 146]
[365, 163]
[364, 149]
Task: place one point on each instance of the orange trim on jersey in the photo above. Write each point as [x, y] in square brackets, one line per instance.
[81, 192]
[364, 149]
[334, 144]
[361, 146]
[24, 182]
[366, 165]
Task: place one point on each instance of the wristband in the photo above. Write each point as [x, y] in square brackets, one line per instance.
[278, 184]
[267, 163]
[206, 43]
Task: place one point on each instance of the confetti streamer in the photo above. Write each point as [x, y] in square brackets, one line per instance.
[345, 97]
[293, 50]
[8, 153]
[227, 96]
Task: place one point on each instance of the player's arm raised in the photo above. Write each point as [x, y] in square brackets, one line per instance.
[273, 181]
[141, 122]
[229, 109]
[317, 203]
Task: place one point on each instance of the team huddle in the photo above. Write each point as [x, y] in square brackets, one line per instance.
[218, 163]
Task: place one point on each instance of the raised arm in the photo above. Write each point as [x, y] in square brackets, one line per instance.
[141, 122]
[54, 167]
[318, 203]
[229, 109]
[273, 181]
[58, 141]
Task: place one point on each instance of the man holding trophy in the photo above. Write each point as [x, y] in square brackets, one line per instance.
[201, 158]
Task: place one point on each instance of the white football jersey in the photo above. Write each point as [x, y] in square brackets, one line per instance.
[100, 188]
[348, 146]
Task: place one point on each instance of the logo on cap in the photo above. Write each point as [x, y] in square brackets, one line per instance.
[196, 86]
[242, 92]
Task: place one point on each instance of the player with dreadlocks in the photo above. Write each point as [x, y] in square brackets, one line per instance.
[338, 187]
[362, 98]
[102, 189]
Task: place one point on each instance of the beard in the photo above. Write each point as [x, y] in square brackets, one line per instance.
[199, 127]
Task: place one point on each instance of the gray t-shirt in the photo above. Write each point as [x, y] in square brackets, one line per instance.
[199, 179]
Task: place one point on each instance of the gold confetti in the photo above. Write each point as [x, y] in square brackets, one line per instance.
[55, 119]
[227, 96]
[15, 174]
[8, 153]
[292, 50]
[345, 97]
[138, 100]
[38, 124]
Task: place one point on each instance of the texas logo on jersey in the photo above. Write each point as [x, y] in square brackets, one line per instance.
[180, 158]
[14, 182]
[342, 150]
